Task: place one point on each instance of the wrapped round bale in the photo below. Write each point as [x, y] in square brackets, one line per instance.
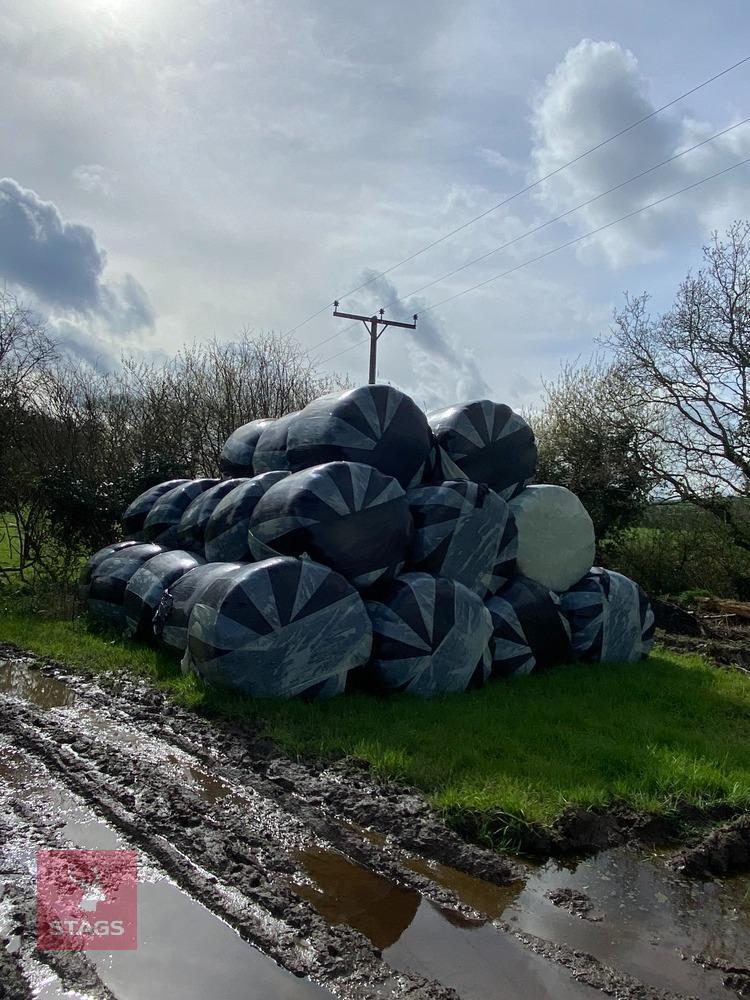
[171, 618]
[346, 515]
[374, 424]
[610, 618]
[465, 532]
[430, 635]
[488, 442]
[556, 544]
[164, 517]
[111, 577]
[226, 535]
[529, 628]
[147, 585]
[84, 579]
[278, 628]
[134, 517]
[236, 458]
[270, 453]
[191, 531]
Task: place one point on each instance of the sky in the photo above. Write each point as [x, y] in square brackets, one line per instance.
[176, 171]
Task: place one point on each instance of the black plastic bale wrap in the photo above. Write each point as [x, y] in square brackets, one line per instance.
[84, 579]
[530, 629]
[487, 442]
[610, 617]
[226, 535]
[164, 518]
[191, 531]
[135, 516]
[147, 586]
[346, 515]
[270, 453]
[111, 577]
[279, 628]
[376, 425]
[171, 618]
[236, 458]
[430, 635]
[463, 531]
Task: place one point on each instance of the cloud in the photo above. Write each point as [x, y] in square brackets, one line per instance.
[94, 178]
[62, 266]
[595, 90]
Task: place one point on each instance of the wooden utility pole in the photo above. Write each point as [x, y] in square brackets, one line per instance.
[371, 325]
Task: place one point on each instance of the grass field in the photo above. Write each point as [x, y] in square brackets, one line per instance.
[668, 731]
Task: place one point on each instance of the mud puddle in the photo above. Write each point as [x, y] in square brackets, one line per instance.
[21, 680]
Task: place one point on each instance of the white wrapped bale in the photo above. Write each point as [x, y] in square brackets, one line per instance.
[226, 536]
[84, 579]
[487, 442]
[147, 586]
[374, 425]
[530, 631]
[110, 578]
[171, 618]
[164, 517]
[610, 617]
[270, 453]
[345, 515]
[556, 544]
[465, 532]
[236, 458]
[135, 516]
[430, 635]
[191, 531]
[277, 629]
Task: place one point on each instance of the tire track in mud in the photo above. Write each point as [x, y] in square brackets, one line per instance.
[231, 821]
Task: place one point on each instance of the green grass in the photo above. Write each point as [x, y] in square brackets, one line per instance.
[662, 733]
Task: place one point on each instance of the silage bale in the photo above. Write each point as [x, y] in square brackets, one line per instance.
[171, 618]
[465, 532]
[226, 535]
[147, 586]
[375, 425]
[556, 544]
[430, 635]
[346, 515]
[191, 531]
[236, 458]
[277, 629]
[164, 517]
[110, 578]
[530, 630]
[84, 579]
[610, 617]
[488, 442]
[134, 517]
[270, 453]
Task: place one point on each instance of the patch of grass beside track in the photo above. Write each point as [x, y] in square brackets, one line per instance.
[670, 731]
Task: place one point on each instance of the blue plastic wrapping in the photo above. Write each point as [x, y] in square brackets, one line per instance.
[278, 628]
[170, 623]
[164, 517]
[147, 586]
[236, 458]
[530, 630]
[226, 535]
[610, 617]
[135, 516]
[374, 424]
[110, 578]
[270, 453]
[430, 635]
[346, 515]
[84, 579]
[191, 530]
[488, 442]
[463, 531]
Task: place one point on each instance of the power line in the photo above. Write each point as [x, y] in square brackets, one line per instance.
[525, 190]
[571, 242]
[549, 222]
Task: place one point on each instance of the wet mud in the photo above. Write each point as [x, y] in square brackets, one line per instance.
[266, 877]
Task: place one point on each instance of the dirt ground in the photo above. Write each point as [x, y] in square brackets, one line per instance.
[281, 878]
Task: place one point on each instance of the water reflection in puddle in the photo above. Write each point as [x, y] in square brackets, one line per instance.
[19, 679]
